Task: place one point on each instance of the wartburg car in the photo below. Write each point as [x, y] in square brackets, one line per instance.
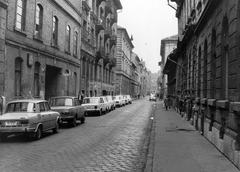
[69, 108]
[31, 117]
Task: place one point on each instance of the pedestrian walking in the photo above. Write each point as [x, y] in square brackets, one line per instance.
[167, 102]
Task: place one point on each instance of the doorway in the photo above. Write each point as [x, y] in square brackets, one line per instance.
[52, 75]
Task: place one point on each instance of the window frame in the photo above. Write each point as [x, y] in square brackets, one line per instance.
[22, 20]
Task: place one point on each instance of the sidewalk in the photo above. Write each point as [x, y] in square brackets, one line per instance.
[176, 146]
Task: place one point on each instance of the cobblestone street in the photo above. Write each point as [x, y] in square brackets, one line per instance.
[116, 141]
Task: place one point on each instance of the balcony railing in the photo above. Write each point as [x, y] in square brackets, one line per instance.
[88, 37]
[100, 25]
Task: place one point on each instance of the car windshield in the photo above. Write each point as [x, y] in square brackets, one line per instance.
[20, 107]
[90, 100]
[61, 102]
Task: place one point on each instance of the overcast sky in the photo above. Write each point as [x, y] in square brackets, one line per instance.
[148, 21]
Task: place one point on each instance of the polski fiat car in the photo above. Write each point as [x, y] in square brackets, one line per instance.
[30, 116]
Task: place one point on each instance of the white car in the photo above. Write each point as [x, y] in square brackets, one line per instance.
[108, 103]
[119, 101]
[94, 105]
[112, 102]
[28, 116]
[129, 99]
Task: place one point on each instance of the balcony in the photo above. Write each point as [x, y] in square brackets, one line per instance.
[113, 41]
[100, 54]
[100, 25]
[106, 59]
[108, 9]
[89, 38]
[86, 5]
[114, 18]
[107, 34]
[113, 62]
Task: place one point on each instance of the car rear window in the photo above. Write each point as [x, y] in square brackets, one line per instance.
[61, 102]
[20, 107]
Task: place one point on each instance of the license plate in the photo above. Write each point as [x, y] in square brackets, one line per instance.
[10, 123]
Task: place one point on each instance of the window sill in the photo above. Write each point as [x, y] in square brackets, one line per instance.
[67, 52]
[22, 32]
[55, 46]
[39, 39]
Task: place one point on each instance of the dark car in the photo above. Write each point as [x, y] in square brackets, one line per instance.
[69, 108]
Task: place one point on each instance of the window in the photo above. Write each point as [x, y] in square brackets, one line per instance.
[18, 76]
[68, 33]
[41, 107]
[75, 43]
[36, 79]
[55, 31]
[39, 21]
[21, 14]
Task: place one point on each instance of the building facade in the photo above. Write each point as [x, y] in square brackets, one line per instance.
[38, 59]
[207, 70]
[167, 46]
[124, 63]
[98, 49]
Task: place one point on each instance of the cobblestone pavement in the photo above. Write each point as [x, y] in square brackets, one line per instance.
[116, 141]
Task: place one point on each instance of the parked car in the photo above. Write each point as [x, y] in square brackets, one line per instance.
[69, 108]
[107, 103]
[129, 99]
[112, 102]
[119, 101]
[153, 97]
[94, 105]
[29, 116]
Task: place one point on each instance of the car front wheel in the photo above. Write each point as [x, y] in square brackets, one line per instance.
[74, 122]
[83, 119]
[56, 129]
[38, 133]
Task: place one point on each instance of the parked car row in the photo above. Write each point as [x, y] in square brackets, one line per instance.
[32, 117]
[122, 100]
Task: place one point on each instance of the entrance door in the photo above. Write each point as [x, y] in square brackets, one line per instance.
[52, 76]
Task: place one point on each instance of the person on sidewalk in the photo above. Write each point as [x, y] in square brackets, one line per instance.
[167, 102]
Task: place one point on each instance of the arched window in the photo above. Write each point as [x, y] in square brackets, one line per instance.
[55, 31]
[36, 79]
[39, 21]
[21, 14]
[68, 34]
[18, 76]
[75, 43]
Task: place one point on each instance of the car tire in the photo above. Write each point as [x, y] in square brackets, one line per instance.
[38, 134]
[74, 122]
[56, 129]
[100, 113]
[83, 119]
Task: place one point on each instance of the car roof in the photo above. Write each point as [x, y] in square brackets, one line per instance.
[28, 100]
[63, 97]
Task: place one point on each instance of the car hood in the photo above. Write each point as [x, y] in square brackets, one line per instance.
[10, 116]
[61, 108]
